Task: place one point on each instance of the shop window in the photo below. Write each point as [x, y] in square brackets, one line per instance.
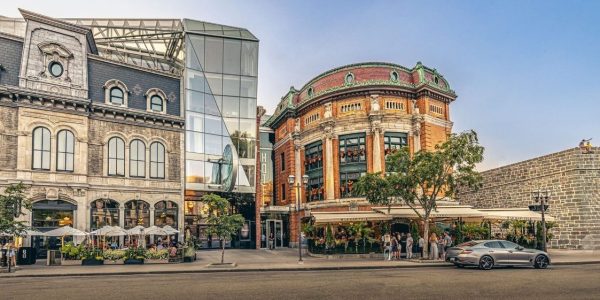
[41, 149]
[104, 212]
[166, 213]
[137, 213]
[49, 214]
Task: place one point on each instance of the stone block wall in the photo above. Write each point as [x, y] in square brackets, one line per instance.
[573, 178]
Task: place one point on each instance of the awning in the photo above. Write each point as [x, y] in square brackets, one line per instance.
[513, 214]
[442, 212]
[348, 216]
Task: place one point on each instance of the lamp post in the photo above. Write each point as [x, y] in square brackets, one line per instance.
[542, 197]
[297, 186]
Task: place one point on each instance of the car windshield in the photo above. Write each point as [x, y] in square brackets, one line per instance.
[468, 244]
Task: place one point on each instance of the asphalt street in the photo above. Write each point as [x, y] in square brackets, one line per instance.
[558, 282]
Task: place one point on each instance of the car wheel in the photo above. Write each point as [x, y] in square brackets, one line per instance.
[486, 262]
[541, 262]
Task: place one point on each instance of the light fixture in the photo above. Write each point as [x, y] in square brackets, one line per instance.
[305, 179]
[291, 179]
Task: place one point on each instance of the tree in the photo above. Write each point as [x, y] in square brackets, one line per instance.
[419, 180]
[221, 223]
[12, 202]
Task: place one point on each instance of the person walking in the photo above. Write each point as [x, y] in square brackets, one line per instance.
[395, 245]
[271, 241]
[12, 255]
[420, 245]
[409, 246]
[447, 243]
[433, 247]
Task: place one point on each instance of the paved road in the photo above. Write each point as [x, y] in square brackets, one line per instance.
[559, 282]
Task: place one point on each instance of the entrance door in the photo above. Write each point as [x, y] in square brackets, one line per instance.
[274, 233]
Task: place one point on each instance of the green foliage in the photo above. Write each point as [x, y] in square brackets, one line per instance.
[13, 194]
[114, 254]
[329, 239]
[157, 254]
[309, 230]
[70, 251]
[376, 189]
[474, 232]
[135, 253]
[90, 253]
[221, 222]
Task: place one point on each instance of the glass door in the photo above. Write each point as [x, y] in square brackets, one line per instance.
[274, 233]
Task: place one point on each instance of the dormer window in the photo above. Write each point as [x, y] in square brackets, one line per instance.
[116, 96]
[55, 68]
[115, 93]
[156, 103]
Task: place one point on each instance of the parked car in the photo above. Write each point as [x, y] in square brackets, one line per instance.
[487, 254]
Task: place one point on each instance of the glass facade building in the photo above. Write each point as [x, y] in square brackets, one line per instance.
[221, 71]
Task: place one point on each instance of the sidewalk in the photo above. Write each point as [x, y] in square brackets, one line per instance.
[265, 260]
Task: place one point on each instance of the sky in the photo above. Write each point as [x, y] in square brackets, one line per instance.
[526, 72]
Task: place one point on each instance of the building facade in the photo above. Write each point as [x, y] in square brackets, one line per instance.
[573, 180]
[97, 141]
[341, 125]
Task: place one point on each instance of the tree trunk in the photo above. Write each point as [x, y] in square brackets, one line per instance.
[426, 238]
[222, 251]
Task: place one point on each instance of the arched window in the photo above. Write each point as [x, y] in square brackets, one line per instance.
[137, 212]
[156, 103]
[165, 213]
[41, 149]
[104, 212]
[65, 146]
[116, 96]
[157, 160]
[116, 157]
[137, 159]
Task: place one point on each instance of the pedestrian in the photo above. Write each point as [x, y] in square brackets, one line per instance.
[433, 246]
[387, 248]
[271, 241]
[395, 245]
[12, 256]
[409, 246]
[420, 245]
[441, 246]
[447, 243]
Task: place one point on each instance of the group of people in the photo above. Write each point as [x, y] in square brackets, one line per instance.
[394, 243]
[438, 246]
[9, 254]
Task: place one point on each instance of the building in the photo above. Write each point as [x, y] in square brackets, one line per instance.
[571, 177]
[96, 113]
[341, 125]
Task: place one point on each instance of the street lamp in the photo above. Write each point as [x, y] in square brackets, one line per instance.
[297, 186]
[542, 197]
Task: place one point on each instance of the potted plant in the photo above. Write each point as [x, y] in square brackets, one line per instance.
[91, 257]
[114, 257]
[154, 256]
[70, 254]
[134, 256]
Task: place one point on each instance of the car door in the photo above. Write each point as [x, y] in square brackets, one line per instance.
[497, 252]
[516, 256]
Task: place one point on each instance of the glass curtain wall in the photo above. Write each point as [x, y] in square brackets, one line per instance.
[221, 82]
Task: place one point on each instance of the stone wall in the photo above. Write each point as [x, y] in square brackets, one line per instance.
[573, 178]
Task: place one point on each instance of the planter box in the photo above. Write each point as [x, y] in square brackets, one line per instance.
[133, 261]
[156, 261]
[70, 262]
[113, 262]
[91, 262]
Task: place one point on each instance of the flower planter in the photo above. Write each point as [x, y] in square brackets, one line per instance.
[70, 262]
[113, 262]
[91, 262]
[156, 261]
[134, 261]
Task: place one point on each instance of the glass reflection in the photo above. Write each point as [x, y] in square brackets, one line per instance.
[214, 84]
[212, 104]
[248, 128]
[231, 107]
[195, 101]
[213, 55]
[249, 58]
[165, 213]
[231, 85]
[195, 57]
[196, 80]
[247, 108]
[232, 56]
[137, 213]
[248, 87]
[213, 144]
[104, 212]
[194, 170]
[213, 125]
[194, 142]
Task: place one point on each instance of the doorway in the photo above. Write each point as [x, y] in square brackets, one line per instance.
[274, 233]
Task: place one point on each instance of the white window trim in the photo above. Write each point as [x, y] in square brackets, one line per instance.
[156, 92]
[118, 84]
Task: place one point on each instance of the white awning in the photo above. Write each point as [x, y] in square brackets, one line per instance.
[442, 212]
[513, 214]
[348, 216]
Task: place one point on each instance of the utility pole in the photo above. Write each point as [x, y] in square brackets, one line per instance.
[542, 197]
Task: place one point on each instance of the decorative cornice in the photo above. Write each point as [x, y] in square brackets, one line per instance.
[29, 15]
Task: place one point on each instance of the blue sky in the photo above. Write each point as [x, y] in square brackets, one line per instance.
[526, 72]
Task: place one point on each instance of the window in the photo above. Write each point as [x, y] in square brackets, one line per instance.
[313, 156]
[352, 149]
[349, 78]
[104, 212]
[157, 160]
[41, 149]
[351, 107]
[394, 76]
[393, 141]
[65, 151]
[165, 213]
[283, 191]
[509, 245]
[137, 213]
[56, 69]
[310, 92]
[116, 157]
[282, 161]
[396, 105]
[493, 244]
[316, 190]
[116, 96]
[156, 103]
[347, 181]
[137, 159]
[436, 109]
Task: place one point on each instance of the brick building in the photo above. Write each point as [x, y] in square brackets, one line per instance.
[340, 126]
[573, 180]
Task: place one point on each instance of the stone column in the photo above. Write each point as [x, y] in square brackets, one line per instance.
[329, 161]
[151, 222]
[416, 123]
[121, 221]
[375, 118]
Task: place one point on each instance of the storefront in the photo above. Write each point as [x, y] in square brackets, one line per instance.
[47, 215]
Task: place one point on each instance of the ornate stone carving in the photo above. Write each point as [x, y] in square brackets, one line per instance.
[327, 126]
[415, 107]
[328, 110]
[375, 103]
[297, 126]
[55, 52]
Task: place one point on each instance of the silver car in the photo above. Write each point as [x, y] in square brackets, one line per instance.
[489, 253]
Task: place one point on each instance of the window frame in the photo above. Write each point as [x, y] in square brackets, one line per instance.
[157, 162]
[66, 151]
[42, 149]
[137, 160]
[152, 104]
[116, 159]
[111, 96]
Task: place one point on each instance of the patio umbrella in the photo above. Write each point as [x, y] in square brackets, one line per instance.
[117, 231]
[66, 230]
[137, 230]
[33, 233]
[170, 230]
[155, 230]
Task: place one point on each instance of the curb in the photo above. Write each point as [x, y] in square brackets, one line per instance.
[233, 270]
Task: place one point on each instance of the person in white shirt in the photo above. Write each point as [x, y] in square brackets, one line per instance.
[387, 247]
[421, 244]
[409, 246]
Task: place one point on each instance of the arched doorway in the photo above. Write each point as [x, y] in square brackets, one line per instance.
[47, 215]
[104, 212]
[137, 212]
